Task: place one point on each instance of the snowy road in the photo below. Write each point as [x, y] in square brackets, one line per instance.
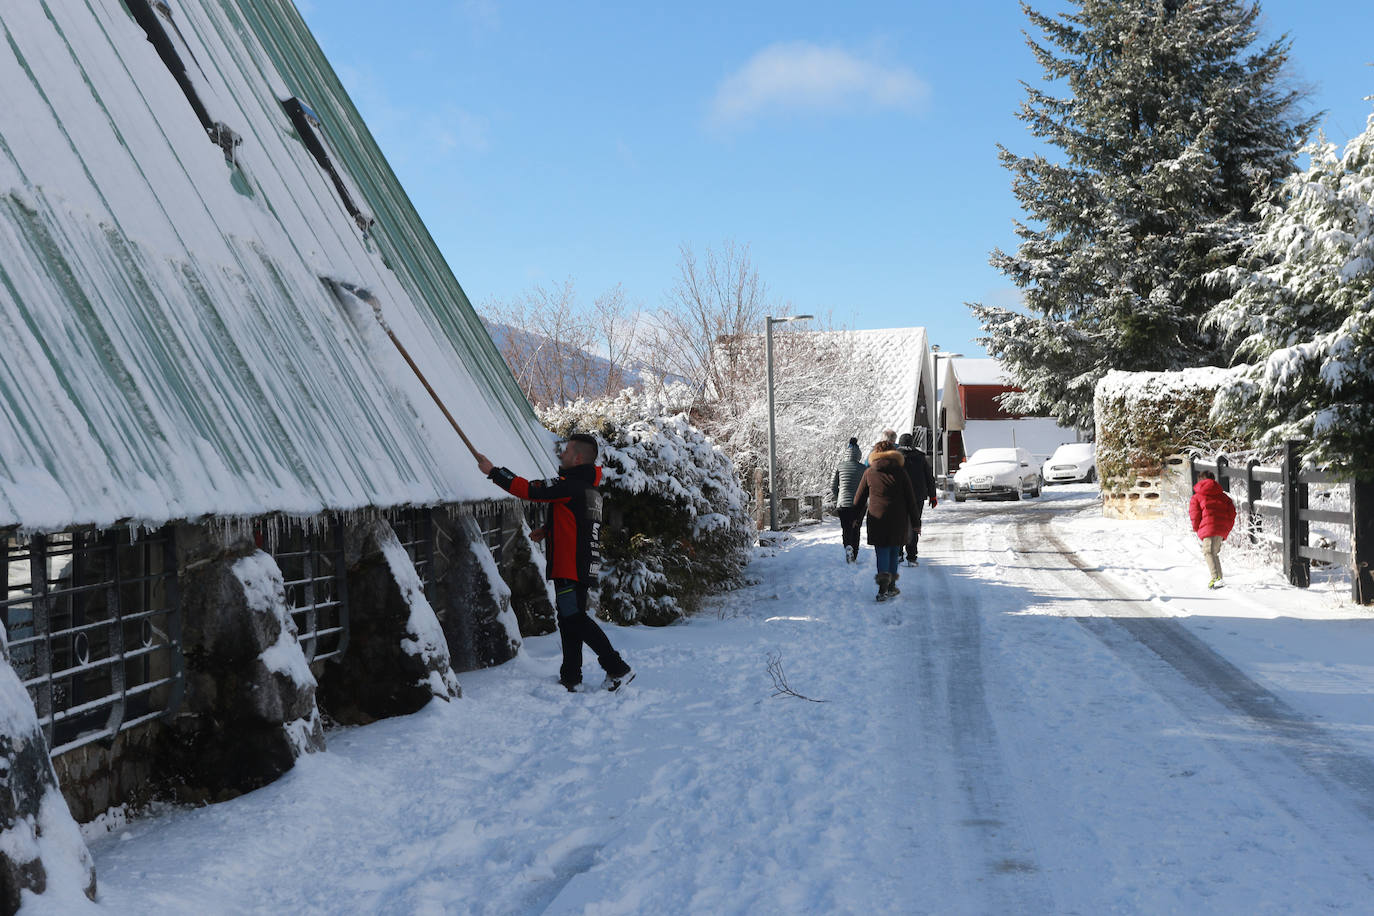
[1054, 717]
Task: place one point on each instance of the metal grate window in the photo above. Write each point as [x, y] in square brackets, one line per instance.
[415, 529]
[94, 628]
[536, 514]
[491, 522]
[311, 559]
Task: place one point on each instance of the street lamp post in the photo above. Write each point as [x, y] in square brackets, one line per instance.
[768, 323]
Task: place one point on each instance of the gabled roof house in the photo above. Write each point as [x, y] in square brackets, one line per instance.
[227, 503]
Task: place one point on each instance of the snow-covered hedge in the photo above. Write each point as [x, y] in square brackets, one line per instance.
[677, 520]
[1143, 417]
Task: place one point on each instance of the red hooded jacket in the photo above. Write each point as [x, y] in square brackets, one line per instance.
[1211, 510]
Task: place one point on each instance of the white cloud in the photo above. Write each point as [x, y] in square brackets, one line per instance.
[800, 76]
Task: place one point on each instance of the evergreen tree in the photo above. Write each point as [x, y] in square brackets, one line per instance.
[1303, 310]
[1173, 131]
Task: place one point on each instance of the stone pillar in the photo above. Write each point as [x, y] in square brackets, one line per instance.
[789, 513]
[397, 659]
[37, 832]
[249, 710]
[470, 598]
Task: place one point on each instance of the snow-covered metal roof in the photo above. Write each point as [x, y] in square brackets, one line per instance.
[979, 372]
[171, 349]
[896, 367]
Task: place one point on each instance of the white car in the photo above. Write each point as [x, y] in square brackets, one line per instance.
[1072, 462]
[1007, 473]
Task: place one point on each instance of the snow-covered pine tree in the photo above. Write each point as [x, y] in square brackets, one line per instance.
[1174, 128]
[1303, 310]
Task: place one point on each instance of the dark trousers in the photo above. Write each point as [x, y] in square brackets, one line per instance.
[576, 628]
[914, 532]
[851, 524]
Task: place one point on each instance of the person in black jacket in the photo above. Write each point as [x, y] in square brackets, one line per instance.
[922, 483]
[573, 532]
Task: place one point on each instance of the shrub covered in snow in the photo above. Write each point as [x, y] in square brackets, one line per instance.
[1303, 310]
[1143, 417]
[677, 524]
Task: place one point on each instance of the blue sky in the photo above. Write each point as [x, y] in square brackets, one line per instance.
[852, 148]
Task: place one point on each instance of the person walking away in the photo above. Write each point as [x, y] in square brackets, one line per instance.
[572, 532]
[1213, 514]
[885, 494]
[922, 484]
[847, 476]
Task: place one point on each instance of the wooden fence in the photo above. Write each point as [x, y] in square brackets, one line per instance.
[1295, 516]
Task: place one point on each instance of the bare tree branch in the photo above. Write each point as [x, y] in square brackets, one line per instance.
[780, 688]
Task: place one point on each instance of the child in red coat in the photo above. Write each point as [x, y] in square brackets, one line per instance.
[1213, 514]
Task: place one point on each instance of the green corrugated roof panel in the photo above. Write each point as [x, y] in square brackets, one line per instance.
[169, 347]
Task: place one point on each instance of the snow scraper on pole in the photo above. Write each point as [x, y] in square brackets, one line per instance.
[348, 294]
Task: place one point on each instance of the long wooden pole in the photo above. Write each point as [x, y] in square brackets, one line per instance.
[364, 296]
[424, 381]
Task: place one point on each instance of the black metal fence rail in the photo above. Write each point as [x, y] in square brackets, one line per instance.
[414, 527]
[1296, 516]
[94, 627]
[491, 521]
[311, 559]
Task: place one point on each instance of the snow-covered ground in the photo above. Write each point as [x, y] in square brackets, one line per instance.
[1022, 730]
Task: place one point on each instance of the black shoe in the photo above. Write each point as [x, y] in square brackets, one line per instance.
[571, 686]
[615, 683]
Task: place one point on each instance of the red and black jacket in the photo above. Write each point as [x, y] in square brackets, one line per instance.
[573, 532]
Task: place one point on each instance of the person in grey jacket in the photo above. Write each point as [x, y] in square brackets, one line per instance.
[847, 476]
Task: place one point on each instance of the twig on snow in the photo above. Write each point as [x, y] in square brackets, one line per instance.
[780, 688]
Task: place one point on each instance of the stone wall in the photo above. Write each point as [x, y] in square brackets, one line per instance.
[250, 704]
[1148, 497]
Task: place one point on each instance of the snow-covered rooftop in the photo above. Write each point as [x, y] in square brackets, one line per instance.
[979, 372]
[891, 362]
[171, 349]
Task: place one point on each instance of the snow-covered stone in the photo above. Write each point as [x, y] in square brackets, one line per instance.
[397, 658]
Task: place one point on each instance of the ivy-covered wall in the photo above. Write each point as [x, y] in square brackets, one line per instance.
[1144, 417]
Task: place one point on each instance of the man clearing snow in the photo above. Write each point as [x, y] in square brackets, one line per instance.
[572, 531]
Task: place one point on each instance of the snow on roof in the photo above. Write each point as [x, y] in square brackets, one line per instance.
[979, 372]
[892, 361]
[171, 349]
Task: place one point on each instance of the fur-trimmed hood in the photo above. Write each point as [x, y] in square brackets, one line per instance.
[885, 453]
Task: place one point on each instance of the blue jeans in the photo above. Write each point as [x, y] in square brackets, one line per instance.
[888, 558]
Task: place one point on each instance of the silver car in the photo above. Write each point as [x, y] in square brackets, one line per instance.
[1072, 462]
[1001, 473]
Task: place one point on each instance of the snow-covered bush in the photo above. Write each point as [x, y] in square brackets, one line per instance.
[1143, 417]
[677, 524]
[1302, 308]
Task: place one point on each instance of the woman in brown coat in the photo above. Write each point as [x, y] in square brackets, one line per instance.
[885, 491]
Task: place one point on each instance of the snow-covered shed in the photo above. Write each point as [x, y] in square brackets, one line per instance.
[974, 418]
[197, 400]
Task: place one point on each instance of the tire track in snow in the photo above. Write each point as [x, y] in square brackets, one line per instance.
[1267, 739]
[954, 706]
